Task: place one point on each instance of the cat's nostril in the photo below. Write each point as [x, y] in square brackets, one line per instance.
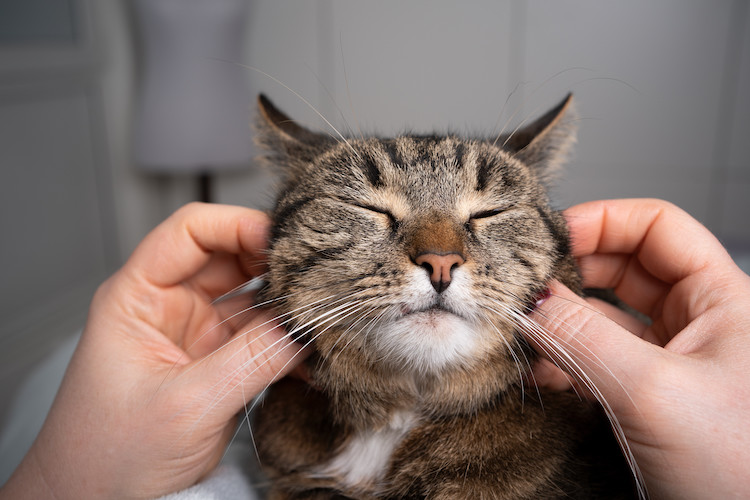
[440, 268]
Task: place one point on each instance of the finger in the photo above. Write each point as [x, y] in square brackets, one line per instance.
[623, 318]
[549, 375]
[245, 366]
[589, 345]
[223, 272]
[668, 243]
[184, 243]
[626, 276]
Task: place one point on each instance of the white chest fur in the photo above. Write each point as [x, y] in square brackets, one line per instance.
[363, 460]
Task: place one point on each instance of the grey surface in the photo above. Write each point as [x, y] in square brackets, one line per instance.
[662, 87]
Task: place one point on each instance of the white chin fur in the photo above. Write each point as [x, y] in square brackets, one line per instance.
[427, 341]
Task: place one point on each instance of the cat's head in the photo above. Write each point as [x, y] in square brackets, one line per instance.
[419, 252]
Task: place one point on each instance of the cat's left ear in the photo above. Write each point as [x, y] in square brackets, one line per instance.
[545, 143]
[291, 144]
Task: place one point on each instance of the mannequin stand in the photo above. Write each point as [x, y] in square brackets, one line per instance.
[205, 187]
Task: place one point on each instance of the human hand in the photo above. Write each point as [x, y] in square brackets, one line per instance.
[679, 386]
[150, 398]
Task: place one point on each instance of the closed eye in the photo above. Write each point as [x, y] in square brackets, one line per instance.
[484, 214]
[373, 208]
[391, 218]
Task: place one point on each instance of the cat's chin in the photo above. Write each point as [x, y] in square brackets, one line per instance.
[428, 340]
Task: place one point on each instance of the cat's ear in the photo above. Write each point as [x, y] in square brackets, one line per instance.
[285, 141]
[545, 143]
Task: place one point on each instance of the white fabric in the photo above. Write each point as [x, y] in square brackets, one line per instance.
[228, 481]
[31, 404]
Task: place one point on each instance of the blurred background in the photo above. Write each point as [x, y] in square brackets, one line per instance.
[113, 113]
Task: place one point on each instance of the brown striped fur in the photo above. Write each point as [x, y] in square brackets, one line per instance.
[358, 228]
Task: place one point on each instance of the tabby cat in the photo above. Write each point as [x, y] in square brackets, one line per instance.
[409, 266]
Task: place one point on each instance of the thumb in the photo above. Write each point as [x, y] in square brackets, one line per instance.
[596, 351]
[245, 366]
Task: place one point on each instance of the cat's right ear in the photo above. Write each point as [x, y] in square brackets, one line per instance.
[544, 144]
[287, 143]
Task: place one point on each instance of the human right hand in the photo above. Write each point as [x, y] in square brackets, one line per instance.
[678, 386]
[151, 397]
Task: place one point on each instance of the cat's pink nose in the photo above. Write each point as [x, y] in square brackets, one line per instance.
[440, 268]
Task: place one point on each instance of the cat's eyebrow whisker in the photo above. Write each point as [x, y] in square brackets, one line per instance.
[609, 79]
[330, 97]
[527, 98]
[502, 112]
[519, 126]
[348, 91]
[309, 105]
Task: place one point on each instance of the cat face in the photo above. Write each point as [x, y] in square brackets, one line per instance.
[417, 252]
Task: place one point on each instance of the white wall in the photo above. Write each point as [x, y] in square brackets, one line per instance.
[662, 88]
[57, 234]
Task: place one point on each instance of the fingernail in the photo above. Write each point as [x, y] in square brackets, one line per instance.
[539, 299]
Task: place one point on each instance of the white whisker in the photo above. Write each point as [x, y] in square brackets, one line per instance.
[309, 105]
[562, 353]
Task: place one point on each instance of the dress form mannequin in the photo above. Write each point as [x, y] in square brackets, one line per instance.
[193, 110]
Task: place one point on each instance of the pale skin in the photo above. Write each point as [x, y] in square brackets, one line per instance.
[124, 422]
[143, 409]
[679, 387]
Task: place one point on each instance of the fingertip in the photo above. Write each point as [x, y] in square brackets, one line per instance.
[253, 233]
[547, 375]
[181, 245]
[567, 317]
[254, 230]
[581, 339]
[555, 296]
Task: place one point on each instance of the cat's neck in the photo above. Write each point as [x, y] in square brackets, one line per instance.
[372, 398]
